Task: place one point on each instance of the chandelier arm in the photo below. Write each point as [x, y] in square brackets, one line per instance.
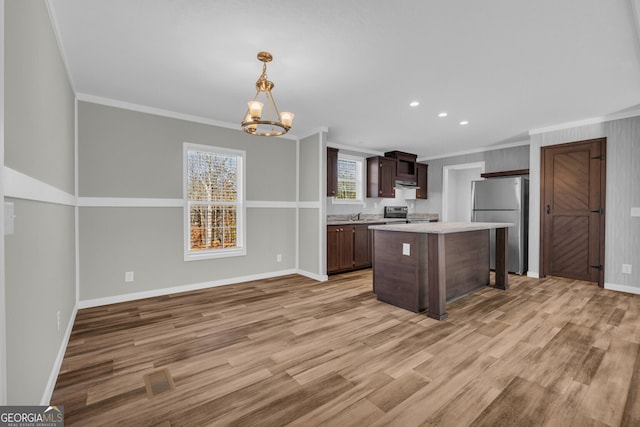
[275, 106]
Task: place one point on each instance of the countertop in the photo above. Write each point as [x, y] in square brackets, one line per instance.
[377, 219]
[441, 227]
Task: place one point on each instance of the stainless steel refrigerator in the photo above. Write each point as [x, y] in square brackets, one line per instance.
[505, 199]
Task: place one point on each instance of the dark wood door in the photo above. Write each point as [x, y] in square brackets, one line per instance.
[572, 210]
[346, 247]
[381, 177]
[333, 244]
[362, 246]
[332, 171]
[421, 173]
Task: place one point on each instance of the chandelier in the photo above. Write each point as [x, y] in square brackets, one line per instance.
[273, 123]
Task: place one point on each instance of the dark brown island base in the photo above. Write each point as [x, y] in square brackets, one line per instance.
[424, 265]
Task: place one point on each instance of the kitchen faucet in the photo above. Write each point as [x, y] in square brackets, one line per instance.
[355, 217]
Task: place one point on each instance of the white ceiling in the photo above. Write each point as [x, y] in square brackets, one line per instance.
[506, 66]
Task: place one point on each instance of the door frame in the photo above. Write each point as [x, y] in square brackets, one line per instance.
[603, 191]
[445, 182]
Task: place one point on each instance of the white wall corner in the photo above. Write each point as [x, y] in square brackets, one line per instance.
[533, 274]
[314, 276]
[55, 370]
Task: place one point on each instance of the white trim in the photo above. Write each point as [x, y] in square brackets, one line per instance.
[164, 113]
[297, 230]
[21, 186]
[475, 150]
[271, 204]
[55, 370]
[129, 202]
[445, 182]
[356, 149]
[322, 192]
[622, 288]
[76, 209]
[96, 302]
[54, 24]
[3, 303]
[310, 205]
[586, 122]
[314, 276]
[533, 274]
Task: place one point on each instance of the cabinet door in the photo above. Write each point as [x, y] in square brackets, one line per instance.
[345, 253]
[422, 170]
[332, 171]
[361, 246]
[387, 177]
[333, 248]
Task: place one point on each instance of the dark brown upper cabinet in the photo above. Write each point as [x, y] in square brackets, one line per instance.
[381, 177]
[421, 180]
[332, 172]
[405, 165]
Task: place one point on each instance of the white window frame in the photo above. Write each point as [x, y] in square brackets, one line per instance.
[240, 203]
[359, 181]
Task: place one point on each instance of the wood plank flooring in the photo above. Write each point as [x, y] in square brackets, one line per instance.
[292, 351]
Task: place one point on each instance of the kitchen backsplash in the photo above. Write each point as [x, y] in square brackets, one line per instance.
[375, 206]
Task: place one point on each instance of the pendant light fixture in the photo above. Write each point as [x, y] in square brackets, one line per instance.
[257, 121]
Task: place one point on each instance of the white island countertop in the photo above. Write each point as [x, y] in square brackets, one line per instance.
[441, 227]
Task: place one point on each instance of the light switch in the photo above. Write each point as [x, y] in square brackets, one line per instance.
[635, 211]
[406, 249]
[9, 216]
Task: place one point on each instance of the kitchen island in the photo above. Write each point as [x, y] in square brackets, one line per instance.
[423, 265]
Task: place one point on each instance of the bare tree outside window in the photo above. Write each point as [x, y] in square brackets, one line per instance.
[212, 191]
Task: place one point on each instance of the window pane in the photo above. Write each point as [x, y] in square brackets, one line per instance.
[211, 176]
[213, 227]
[347, 190]
[346, 169]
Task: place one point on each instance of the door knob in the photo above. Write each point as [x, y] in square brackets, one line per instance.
[548, 209]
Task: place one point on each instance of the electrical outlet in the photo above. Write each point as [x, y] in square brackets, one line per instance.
[58, 317]
[406, 249]
[626, 268]
[128, 276]
[279, 257]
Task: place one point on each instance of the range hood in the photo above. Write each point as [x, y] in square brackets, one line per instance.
[406, 184]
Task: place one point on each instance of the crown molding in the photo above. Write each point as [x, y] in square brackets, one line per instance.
[164, 113]
[587, 122]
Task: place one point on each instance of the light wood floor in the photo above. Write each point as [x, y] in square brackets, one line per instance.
[294, 351]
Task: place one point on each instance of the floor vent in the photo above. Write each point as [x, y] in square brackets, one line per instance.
[158, 382]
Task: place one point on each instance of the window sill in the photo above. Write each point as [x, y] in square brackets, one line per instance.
[214, 254]
[335, 201]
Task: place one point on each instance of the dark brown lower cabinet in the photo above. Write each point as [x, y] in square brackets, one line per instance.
[348, 248]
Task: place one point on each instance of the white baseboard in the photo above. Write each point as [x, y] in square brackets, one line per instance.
[533, 274]
[622, 288]
[318, 277]
[184, 288]
[55, 371]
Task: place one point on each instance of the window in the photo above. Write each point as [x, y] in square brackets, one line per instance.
[214, 202]
[349, 179]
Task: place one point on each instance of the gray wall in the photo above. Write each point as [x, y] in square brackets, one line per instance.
[503, 159]
[40, 255]
[124, 153]
[622, 232]
[128, 154]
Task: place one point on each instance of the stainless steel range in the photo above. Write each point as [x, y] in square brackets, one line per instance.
[395, 212]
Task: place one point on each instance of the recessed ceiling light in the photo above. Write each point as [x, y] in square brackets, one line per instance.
[464, 122]
[443, 114]
[414, 103]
